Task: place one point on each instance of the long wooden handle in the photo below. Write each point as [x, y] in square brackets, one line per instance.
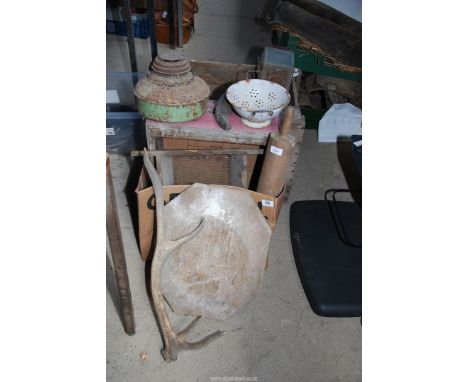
[197, 152]
[118, 254]
[287, 122]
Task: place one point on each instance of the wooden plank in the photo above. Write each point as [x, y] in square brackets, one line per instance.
[238, 171]
[154, 143]
[174, 144]
[280, 74]
[163, 153]
[196, 134]
[245, 172]
[295, 84]
[165, 168]
[297, 131]
[219, 76]
[118, 254]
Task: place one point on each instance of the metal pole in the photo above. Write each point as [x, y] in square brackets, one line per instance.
[180, 23]
[152, 30]
[173, 23]
[130, 39]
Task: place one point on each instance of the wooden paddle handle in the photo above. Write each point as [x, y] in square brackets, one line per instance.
[287, 122]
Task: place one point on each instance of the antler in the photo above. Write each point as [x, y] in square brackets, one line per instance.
[173, 342]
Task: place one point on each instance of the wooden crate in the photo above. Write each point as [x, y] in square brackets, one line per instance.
[220, 169]
[206, 169]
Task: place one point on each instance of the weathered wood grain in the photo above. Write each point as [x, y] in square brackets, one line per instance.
[297, 131]
[219, 75]
[156, 153]
[118, 255]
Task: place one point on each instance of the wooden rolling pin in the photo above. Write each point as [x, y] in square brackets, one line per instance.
[277, 157]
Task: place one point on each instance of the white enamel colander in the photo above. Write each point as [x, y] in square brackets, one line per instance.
[257, 101]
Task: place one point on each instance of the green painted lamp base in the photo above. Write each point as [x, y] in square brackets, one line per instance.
[167, 113]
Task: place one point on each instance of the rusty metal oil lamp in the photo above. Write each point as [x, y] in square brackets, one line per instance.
[171, 92]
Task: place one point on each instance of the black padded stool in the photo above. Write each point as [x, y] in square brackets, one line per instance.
[326, 237]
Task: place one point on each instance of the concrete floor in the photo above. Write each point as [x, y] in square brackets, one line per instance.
[276, 337]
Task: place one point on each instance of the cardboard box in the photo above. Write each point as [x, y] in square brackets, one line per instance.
[269, 206]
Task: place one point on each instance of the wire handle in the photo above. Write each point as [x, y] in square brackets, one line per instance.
[270, 112]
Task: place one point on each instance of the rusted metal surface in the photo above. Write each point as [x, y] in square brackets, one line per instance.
[171, 92]
[170, 63]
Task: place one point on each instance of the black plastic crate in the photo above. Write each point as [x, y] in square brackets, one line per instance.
[125, 128]
[125, 131]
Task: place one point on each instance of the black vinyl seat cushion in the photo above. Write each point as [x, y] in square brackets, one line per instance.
[330, 270]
